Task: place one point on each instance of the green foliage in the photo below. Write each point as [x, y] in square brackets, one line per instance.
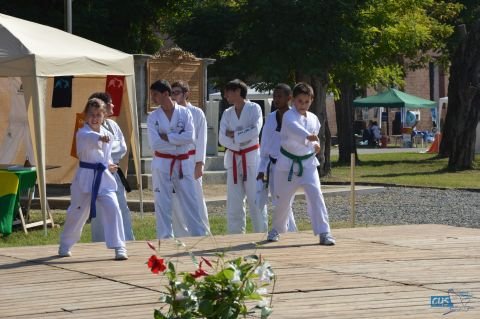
[262, 41]
[219, 288]
[266, 42]
[393, 36]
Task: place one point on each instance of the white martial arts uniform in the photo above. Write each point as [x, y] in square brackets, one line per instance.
[91, 150]
[269, 153]
[241, 161]
[180, 228]
[172, 169]
[295, 129]
[119, 149]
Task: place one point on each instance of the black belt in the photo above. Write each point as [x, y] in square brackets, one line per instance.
[272, 161]
[124, 181]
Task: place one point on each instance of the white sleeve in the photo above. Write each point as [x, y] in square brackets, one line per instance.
[201, 139]
[153, 129]
[119, 148]
[265, 144]
[316, 130]
[222, 134]
[295, 131]
[187, 135]
[87, 140]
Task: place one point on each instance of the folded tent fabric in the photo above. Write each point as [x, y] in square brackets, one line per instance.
[8, 192]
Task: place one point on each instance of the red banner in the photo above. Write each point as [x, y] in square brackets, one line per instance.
[114, 87]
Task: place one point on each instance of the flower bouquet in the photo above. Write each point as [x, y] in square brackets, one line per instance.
[218, 288]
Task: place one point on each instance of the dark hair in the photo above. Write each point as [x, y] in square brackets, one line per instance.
[104, 96]
[95, 103]
[161, 86]
[303, 88]
[285, 88]
[237, 85]
[181, 84]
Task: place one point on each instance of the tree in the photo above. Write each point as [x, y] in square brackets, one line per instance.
[265, 42]
[463, 115]
[391, 37]
[457, 142]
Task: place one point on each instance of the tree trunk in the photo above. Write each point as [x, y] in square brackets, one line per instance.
[463, 113]
[319, 84]
[344, 116]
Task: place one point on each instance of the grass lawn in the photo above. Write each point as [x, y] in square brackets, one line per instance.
[408, 169]
[143, 228]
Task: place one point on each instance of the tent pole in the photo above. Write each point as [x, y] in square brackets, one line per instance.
[68, 15]
[35, 88]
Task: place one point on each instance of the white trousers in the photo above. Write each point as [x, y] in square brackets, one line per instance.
[78, 212]
[284, 190]
[179, 224]
[97, 222]
[186, 191]
[236, 214]
[292, 226]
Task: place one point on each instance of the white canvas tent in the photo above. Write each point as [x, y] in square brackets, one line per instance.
[36, 53]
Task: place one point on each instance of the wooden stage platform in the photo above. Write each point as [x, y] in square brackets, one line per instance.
[376, 272]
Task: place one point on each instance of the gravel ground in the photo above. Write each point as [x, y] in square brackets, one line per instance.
[401, 205]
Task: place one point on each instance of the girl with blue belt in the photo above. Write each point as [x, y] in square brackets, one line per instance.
[94, 184]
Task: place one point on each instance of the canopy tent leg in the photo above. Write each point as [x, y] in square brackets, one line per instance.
[35, 88]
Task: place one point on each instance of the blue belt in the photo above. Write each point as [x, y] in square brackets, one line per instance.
[97, 178]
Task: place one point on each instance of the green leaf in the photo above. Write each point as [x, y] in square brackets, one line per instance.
[249, 287]
[206, 308]
[171, 266]
[228, 273]
[255, 296]
[158, 315]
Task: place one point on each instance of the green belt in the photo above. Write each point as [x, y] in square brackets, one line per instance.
[295, 159]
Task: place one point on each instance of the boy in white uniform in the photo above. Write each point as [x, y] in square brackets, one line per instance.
[239, 132]
[119, 149]
[180, 91]
[297, 167]
[270, 149]
[94, 184]
[170, 134]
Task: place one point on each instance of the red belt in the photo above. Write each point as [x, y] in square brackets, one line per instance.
[244, 161]
[174, 158]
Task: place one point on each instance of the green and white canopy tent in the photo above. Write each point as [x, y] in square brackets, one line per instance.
[393, 98]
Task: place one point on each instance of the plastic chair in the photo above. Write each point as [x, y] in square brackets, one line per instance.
[8, 194]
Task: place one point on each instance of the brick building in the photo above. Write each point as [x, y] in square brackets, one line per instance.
[429, 83]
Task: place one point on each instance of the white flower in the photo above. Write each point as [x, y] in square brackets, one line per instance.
[262, 303]
[262, 291]
[264, 272]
